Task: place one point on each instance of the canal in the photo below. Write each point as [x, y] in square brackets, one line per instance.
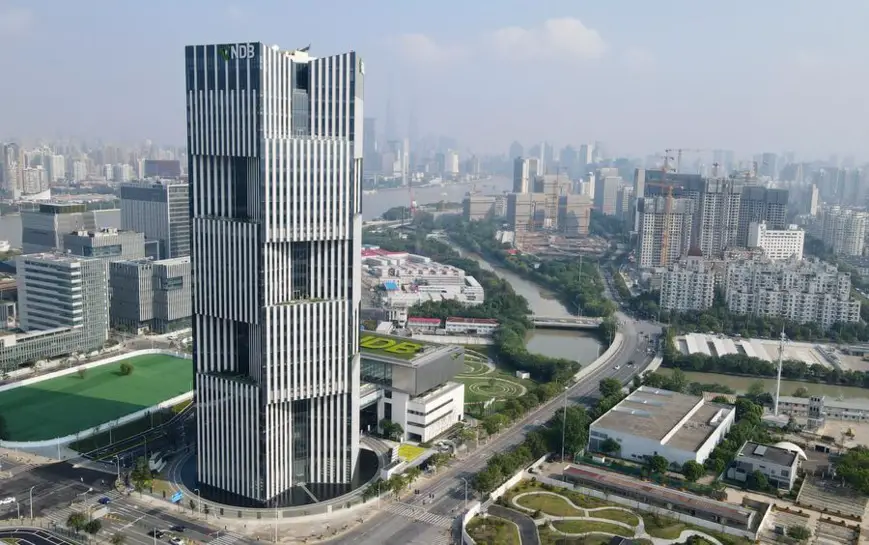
[573, 345]
[788, 387]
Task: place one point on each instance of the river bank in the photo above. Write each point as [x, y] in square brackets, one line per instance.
[741, 384]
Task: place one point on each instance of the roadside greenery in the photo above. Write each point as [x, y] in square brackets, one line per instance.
[572, 424]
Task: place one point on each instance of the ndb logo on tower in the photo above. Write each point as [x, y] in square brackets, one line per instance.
[236, 51]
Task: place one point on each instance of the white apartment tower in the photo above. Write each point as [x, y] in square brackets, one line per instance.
[844, 230]
[664, 233]
[777, 244]
[688, 284]
[275, 165]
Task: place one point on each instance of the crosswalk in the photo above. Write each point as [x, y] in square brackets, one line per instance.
[419, 514]
[225, 539]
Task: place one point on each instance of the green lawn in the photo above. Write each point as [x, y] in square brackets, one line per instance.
[549, 504]
[493, 531]
[663, 527]
[66, 405]
[498, 384]
[617, 515]
[585, 526]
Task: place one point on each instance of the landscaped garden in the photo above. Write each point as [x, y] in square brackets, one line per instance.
[493, 531]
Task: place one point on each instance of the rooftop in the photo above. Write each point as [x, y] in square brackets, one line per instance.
[679, 420]
[766, 453]
[393, 347]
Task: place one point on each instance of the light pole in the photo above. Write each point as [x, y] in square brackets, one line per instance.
[118, 466]
[563, 424]
[276, 521]
[31, 501]
[198, 501]
[18, 508]
[466, 492]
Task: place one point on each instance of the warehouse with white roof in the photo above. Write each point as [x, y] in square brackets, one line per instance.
[651, 422]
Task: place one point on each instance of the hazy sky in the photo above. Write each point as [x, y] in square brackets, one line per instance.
[639, 75]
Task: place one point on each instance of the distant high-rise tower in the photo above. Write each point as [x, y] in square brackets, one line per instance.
[275, 152]
[516, 150]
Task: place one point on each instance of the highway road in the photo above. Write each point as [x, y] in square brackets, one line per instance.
[31, 536]
[420, 520]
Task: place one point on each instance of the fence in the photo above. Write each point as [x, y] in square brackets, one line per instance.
[84, 434]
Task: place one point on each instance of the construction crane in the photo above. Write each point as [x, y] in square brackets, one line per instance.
[679, 152]
[668, 206]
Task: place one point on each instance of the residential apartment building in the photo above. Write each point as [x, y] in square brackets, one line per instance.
[844, 230]
[150, 295]
[807, 291]
[761, 204]
[688, 284]
[664, 230]
[607, 193]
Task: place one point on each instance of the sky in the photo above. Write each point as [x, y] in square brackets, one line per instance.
[640, 76]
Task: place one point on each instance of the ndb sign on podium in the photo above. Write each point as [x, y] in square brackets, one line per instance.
[176, 497]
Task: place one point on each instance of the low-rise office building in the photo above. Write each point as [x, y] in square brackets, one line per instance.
[777, 244]
[818, 409]
[652, 422]
[423, 325]
[415, 384]
[470, 326]
[151, 295]
[780, 466]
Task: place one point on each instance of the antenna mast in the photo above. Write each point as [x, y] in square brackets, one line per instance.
[781, 351]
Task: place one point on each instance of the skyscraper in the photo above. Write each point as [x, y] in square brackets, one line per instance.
[161, 210]
[275, 164]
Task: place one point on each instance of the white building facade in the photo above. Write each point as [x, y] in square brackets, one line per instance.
[844, 230]
[801, 291]
[275, 166]
[688, 285]
[651, 422]
[777, 244]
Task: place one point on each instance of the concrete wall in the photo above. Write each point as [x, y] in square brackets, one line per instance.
[84, 434]
[603, 359]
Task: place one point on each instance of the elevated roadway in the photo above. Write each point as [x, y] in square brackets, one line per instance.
[549, 322]
[385, 528]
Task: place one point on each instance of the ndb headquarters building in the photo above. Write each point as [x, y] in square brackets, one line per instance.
[275, 164]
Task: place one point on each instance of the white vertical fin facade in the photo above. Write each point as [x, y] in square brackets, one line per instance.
[275, 194]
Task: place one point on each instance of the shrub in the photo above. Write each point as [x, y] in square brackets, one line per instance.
[127, 368]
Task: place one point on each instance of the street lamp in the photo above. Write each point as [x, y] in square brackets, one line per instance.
[563, 423]
[118, 466]
[466, 492]
[198, 501]
[31, 501]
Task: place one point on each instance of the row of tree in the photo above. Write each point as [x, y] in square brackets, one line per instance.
[567, 431]
[742, 364]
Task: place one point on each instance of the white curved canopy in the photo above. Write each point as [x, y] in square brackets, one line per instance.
[787, 445]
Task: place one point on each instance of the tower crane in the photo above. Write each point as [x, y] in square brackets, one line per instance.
[668, 207]
[679, 152]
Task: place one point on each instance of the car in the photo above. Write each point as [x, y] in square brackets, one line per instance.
[176, 541]
[631, 363]
[178, 528]
[617, 367]
[157, 533]
[104, 500]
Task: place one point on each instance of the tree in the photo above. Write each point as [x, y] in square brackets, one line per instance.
[127, 368]
[117, 539]
[749, 411]
[191, 504]
[757, 480]
[487, 480]
[76, 521]
[756, 389]
[93, 527]
[466, 434]
[4, 429]
[800, 533]
[678, 380]
[692, 470]
[391, 430]
[802, 391]
[658, 464]
[141, 474]
[609, 387]
[610, 446]
[495, 423]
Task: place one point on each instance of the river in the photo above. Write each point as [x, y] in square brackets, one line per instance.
[573, 345]
[742, 384]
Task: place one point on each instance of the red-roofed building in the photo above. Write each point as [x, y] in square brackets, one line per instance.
[471, 326]
[423, 324]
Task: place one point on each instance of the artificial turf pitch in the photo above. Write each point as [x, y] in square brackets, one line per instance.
[69, 404]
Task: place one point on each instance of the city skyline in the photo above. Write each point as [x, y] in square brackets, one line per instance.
[595, 73]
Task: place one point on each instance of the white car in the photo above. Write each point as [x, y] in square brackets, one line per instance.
[617, 367]
[176, 541]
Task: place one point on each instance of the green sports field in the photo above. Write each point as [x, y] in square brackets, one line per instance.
[66, 405]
